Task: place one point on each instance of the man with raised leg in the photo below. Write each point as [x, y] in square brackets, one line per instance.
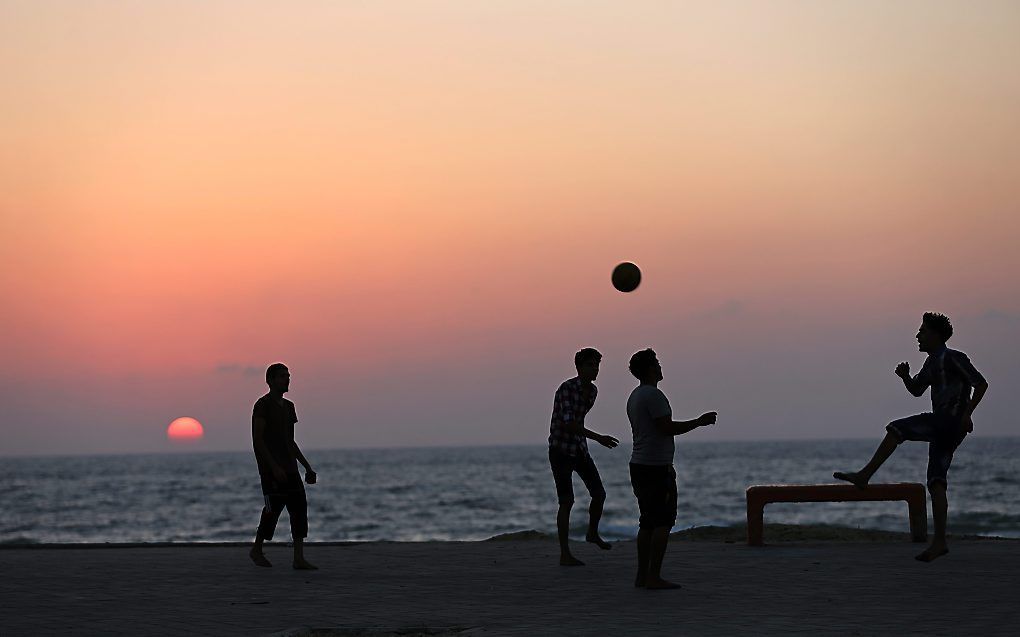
[651, 466]
[568, 452]
[277, 455]
[951, 377]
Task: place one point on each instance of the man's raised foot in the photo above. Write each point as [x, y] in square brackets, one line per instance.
[853, 477]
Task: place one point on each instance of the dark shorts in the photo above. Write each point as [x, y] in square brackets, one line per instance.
[564, 466]
[655, 488]
[291, 498]
[943, 434]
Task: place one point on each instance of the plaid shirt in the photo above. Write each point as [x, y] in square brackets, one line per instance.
[569, 406]
[951, 375]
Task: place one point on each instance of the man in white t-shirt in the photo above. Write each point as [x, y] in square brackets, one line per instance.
[651, 466]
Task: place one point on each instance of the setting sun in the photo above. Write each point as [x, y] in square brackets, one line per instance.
[185, 429]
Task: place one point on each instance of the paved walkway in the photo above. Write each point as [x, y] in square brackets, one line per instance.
[512, 588]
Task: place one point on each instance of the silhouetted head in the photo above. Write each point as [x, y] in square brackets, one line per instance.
[278, 378]
[645, 366]
[587, 363]
[935, 330]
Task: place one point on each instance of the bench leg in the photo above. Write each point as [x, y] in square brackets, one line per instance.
[755, 522]
[918, 511]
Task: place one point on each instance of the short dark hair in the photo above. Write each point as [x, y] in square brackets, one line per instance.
[587, 355]
[641, 362]
[273, 370]
[939, 323]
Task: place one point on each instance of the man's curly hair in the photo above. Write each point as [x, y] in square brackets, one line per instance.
[641, 361]
[939, 323]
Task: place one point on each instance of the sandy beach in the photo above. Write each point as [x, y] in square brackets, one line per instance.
[512, 587]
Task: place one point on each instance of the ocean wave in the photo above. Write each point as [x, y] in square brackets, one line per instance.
[517, 536]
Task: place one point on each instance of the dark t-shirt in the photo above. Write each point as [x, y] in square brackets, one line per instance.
[278, 436]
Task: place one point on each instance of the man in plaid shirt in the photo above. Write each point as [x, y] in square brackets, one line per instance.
[568, 451]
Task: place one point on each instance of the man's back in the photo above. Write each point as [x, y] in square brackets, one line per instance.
[571, 403]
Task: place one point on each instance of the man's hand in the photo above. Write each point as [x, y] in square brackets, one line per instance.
[707, 418]
[279, 475]
[607, 441]
[310, 476]
[966, 424]
[903, 370]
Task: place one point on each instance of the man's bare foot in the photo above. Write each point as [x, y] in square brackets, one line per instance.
[660, 584]
[931, 553]
[259, 558]
[598, 541]
[570, 560]
[304, 565]
[639, 581]
[854, 478]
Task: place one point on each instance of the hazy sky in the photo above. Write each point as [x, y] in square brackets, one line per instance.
[417, 206]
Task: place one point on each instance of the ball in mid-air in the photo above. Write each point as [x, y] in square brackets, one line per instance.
[626, 277]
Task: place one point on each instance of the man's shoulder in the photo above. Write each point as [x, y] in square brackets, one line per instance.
[956, 354]
[267, 402]
[646, 395]
[647, 390]
[570, 384]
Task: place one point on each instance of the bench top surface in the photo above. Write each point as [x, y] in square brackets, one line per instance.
[836, 492]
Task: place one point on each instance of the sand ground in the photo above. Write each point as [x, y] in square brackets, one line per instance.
[512, 587]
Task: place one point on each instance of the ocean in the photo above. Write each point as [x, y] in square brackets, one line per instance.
[472, 493]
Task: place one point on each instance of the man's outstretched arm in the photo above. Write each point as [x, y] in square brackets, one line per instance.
[574, 422]
[576, 426]
[672, 427]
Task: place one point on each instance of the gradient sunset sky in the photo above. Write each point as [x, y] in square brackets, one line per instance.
[417, 207]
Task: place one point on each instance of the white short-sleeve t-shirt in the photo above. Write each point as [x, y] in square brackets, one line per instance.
[646, 403]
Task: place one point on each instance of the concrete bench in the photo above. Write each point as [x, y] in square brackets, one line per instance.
[760, 495]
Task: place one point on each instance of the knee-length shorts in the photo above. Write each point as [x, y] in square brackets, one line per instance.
[943, 434]
[655, 489]
[563, 468]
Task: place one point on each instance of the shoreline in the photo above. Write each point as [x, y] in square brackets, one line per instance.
[736, 534]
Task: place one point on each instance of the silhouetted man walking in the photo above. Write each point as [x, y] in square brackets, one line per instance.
[651, 466]
[951, 377]
[568, 451]
[277, 454]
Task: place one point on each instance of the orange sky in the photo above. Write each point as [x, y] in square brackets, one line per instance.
[423, 195]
